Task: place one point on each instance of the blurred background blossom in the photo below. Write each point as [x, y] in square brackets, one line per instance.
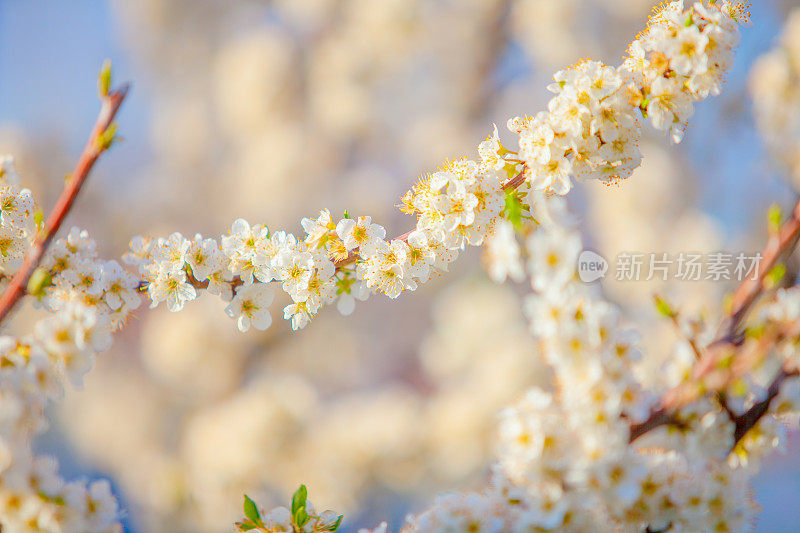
[271, 110]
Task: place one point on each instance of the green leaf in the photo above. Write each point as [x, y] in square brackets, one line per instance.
[344, 285]
[299, 499]
[775, 275]
[251, 510]
[663, 307]
[108, 137]
[774, 218]
[245, 526]
[300, 517]
[513, 210]
[346, 213]
[104, 79]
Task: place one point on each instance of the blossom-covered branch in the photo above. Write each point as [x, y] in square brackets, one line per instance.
[716, 357]
[719, 364]
[36, 369]
[591, 130]
[100, 140]
[567, 460]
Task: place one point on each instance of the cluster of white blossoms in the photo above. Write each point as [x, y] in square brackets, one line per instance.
[75, 273]
[590, 130]
[240, 269]
[568, 459]
[17, 213]
[88, 299]
[33, 371]
[775, 87]
[337, 261]
[70, 270]
[681, 58]
[565, 455]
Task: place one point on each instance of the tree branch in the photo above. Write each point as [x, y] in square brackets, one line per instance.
[658, 418]
[779, 245]
[352, 257]
[747, 420]
[95, 146]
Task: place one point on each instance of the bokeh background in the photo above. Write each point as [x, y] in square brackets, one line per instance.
[271, 110]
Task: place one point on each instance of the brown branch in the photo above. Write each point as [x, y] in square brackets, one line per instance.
[748, 420]
[698, 354]
[658, 418]
[91, 152]
[779, 245]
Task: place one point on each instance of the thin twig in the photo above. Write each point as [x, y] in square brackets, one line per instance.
[747, 420]
[699, 355]
[91, 152]
[779, 245]
[658, 418]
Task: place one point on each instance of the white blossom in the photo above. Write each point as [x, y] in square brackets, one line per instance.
[250, 307]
